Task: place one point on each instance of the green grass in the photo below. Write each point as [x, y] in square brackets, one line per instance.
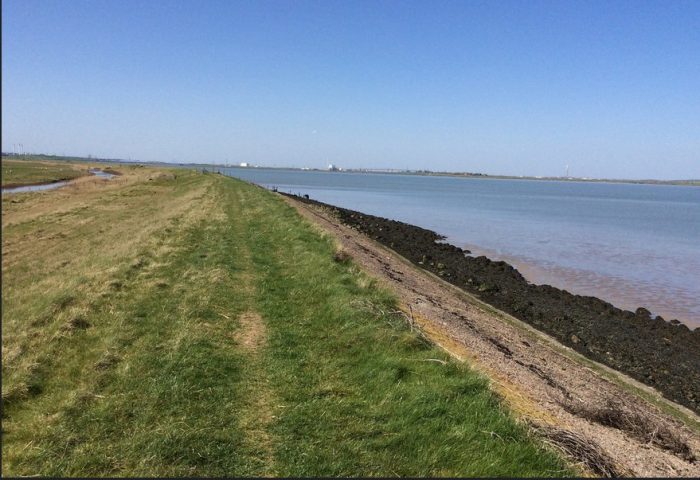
[27, 172]
[135, 358]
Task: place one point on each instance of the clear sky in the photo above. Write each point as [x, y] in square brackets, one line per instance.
[610, 88]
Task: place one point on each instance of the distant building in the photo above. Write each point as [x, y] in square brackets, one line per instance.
[332, 168]
[244, 164]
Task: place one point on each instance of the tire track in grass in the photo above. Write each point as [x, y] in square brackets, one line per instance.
[256, 415]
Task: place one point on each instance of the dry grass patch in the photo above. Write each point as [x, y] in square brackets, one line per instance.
[634, 422]
[251, 335]
[74, 241]
[341, 256]
[581, 450]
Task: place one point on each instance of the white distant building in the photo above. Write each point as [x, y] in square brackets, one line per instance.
[244, 164]
[332, 167]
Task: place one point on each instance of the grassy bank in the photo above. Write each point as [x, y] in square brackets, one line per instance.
[187, 324]
[29, 171]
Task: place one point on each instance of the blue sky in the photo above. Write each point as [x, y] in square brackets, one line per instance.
[610, 88]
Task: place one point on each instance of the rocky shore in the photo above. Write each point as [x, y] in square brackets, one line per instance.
[662, 354]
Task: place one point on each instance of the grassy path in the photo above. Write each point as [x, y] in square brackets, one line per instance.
[195, 325]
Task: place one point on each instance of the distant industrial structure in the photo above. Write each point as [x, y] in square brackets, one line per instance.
[332, 168]
[17, 149]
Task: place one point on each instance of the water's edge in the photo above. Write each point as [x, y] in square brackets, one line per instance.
[664, 355]
[43, 186]
[627, 244]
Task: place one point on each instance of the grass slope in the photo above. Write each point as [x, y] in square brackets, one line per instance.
[195, 325]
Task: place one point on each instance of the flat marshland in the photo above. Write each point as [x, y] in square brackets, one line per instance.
[32, 172]
[170, 323]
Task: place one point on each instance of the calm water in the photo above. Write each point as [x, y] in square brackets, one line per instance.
[632, 245]
[101, 173]
[34, 188]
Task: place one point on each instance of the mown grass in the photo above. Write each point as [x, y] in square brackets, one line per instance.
[27, 172]
[125, 350]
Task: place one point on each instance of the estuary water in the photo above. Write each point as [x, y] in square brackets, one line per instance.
[632, 245]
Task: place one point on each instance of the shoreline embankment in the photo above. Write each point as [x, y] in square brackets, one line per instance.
[664, 355]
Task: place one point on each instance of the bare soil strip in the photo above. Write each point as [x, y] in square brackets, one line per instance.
[545, 383]
[252, 334]
[257, 416]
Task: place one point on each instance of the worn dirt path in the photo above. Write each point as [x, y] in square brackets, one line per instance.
[257, 413]
[541, 380]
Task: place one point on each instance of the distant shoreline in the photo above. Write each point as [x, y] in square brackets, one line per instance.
[425, 173]
[690, 183]
[214, 167]
[418, 173]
